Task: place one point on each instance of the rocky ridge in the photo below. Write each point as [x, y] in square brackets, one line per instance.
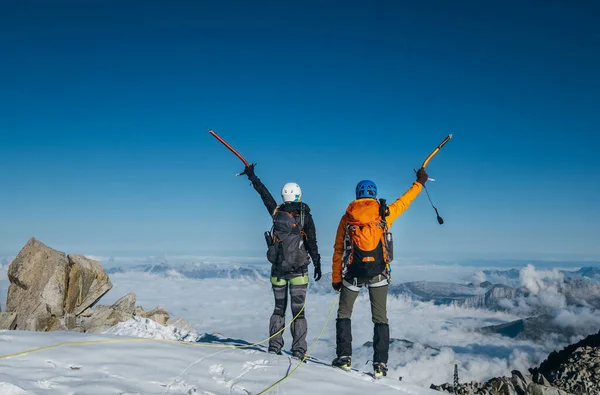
[50, 291]
[574, 370]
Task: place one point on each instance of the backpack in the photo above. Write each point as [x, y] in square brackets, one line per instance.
[368, 243]
[286, 249]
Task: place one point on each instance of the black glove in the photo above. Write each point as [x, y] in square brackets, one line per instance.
[337, 286]
[249, 171]
[422, 176]
[317, 271]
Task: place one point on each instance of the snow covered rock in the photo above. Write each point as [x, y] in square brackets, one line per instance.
[87, 283]
[102, 317]
[147, 328]
[158, 314]
[38, 279]
[180, 323]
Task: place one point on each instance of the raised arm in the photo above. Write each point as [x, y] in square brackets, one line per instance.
[402, 203]
[262, 190]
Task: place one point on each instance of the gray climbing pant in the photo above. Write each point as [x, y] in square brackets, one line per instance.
[296, 286]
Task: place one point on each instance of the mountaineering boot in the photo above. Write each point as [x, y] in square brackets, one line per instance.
[379, 370]
[299, 355]
[274, 351]
[343, 362]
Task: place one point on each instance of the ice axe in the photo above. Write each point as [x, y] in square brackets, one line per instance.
[435, 151]
[230, 148]
[425, 163]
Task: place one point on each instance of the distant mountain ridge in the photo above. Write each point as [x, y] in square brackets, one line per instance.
[580, 287]
[197, 270]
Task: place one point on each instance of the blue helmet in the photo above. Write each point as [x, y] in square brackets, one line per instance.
[366, 189]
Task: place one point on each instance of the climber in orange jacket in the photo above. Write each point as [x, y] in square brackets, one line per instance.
[361, 258]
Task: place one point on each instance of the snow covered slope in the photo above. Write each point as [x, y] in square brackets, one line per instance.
[167, 367]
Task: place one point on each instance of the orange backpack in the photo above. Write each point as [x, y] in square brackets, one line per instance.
[368, 243]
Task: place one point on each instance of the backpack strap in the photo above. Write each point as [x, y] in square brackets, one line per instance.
[384, 211]
[275, 210]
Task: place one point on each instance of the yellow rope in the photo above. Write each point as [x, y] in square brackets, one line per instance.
[76, 343]
[275, 384]
[79, 343]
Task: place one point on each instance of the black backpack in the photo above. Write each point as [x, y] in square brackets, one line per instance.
[286, 249]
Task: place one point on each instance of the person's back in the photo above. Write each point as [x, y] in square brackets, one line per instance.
[292, 243]
[365, 234]
[361, 257]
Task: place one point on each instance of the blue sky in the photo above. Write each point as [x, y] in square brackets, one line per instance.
[105, 109]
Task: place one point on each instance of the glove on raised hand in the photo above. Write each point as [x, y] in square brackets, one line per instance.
[422, 176]
[249, 171]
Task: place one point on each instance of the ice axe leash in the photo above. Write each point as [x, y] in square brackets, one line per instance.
[425, 163]
[229, 147]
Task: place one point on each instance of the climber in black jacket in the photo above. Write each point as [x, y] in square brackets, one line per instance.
[294, 229]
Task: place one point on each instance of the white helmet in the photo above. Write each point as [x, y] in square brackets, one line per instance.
[291, 192]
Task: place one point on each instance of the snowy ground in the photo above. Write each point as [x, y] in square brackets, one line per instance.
[240, 309]
[155, 367]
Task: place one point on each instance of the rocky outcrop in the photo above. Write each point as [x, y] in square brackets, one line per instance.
[102, 317]
[8, 321]
[126, 304]
[581, 373]
[158, 314]
[517, 384]
[38, 281]
[52, 291]
[86, 285]
[573, 370]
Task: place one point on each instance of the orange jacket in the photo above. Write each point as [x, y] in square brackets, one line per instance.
[396, 209]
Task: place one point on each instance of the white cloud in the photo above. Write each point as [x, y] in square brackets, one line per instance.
[479, 277]
[240, 308]
[582, 318]
[537, 280]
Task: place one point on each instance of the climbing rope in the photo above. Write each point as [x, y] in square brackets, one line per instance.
[79, 343]
[275, 384]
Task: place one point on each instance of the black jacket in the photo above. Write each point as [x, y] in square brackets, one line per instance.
[290, 207]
